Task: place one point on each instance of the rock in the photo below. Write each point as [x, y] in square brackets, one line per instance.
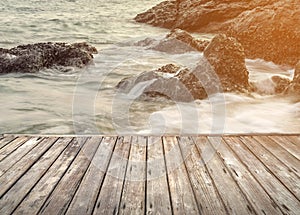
[267, 29]
[227, 58]
[269, 32]
[188, 39]
[179, 41]
[280, 83]
[169, 68]
[158, 16]
[184, 86]
[34, 57]
[294, 87]
[221, 70]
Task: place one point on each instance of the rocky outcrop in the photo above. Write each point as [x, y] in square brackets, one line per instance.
[222, 69]
[269, 32]
[267, 29]
[34, 57]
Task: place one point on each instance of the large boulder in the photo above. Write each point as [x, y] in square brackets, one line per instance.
[267, 29]
[34, 57]
[227, 58]
[221, 69]
[270, 32]
[195, 15]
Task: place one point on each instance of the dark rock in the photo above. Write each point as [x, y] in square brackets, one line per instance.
[267, 29]
[158, 16]
[34, 57]
[169, 68]
[183, 86]
[222, 69]
[226, 56]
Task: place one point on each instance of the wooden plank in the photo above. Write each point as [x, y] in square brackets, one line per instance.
[20, 189]
[133, 196]
[275, 166]
[13, 145]
[206, 193]
[280, 153]
[6, 140]
[256, 195]
[233, 198]
[108, 201]
[287, 202]
[60, 198]
[182, 195]
[16, 155]
[21, 167]
[86, 195]
[158, 196]
[40, 192]
[290, 143]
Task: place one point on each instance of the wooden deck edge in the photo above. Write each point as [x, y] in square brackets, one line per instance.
[153, 135]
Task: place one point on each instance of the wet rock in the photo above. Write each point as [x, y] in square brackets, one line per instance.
[266, 29]
[159, 16]
[227, 58]
[280, 83]
[183, 86]
[222, 69]
[179, 41]
[294, 87]
[34, 57]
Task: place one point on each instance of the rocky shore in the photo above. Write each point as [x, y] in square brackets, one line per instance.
[221, 69]
[34, 57]
[266, 29]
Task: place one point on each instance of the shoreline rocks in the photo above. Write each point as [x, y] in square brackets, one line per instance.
[34, 57]
[266, 29]
[221, 69]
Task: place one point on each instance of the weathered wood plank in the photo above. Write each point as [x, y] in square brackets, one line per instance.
[233, 198]
[13, 145]
[40, 192]
[280, 153]
[108, 201]
[21, 167]
[158, 196]
[290, 143]
[182, 195]
[61, 197]
[20, 189]
[282, 172]
[133, 196]
[259, 199]
[6, 140]
[86, 195]
[276, 190]
[16, 155]
[207, 196]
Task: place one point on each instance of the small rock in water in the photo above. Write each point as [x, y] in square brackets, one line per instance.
[179, 41]
[34, 57]
[294, 87]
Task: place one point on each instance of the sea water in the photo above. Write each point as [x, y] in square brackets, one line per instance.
[85, 101]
